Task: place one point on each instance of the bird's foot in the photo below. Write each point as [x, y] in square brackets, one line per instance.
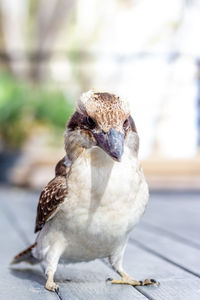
[51, 286]
[129, 280]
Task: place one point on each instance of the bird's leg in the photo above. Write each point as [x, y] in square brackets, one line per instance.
[116, 262]
[51, 260]
[50, 283]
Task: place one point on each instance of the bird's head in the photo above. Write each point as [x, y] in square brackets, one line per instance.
[103, 120]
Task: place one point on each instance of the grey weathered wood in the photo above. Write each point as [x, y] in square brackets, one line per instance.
[88, 282]
[88, 279]
[178, 216]
[17, 283]
[175, 251]
[21, 208]
[175, 283]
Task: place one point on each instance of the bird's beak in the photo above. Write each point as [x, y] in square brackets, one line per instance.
[112, 142]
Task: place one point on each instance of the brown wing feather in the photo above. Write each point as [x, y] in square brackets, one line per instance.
[52, 196]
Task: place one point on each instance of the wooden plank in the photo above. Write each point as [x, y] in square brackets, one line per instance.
[17, 283]
[175, 283]
[88, 281]
[176, 215]
[181, 254]
[21, 207]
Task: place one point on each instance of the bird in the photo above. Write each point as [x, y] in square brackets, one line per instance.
[98, 194]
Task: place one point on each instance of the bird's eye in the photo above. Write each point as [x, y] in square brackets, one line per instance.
[91, 123]
[126, 124]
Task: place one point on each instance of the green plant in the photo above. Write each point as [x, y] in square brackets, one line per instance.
[22, 106]
[51, 107]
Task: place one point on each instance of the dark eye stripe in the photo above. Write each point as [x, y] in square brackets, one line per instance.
[91, 123]
[126, 124]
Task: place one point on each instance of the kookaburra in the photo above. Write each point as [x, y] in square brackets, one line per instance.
[98, 193]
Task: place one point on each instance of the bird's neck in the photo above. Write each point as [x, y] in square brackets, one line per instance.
[73, 147]
[73, 151]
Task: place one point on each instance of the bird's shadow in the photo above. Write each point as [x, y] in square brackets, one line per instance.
[31, 274]
[37, 275]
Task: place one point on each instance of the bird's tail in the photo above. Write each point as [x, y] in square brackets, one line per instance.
[25, 256]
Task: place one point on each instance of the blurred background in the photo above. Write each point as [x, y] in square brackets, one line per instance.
[147, 51]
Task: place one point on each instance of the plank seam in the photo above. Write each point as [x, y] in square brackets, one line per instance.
[172, 235]
[157, 254]
[144, 293]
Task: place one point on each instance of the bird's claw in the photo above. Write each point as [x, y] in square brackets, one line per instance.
[149, 282]
[52, 286]
[133, 282]
[109, 279]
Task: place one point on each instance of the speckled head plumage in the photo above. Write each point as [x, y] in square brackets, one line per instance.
[108, 110]
[101, 119]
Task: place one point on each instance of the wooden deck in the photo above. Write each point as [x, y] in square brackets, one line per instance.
[165, 246]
